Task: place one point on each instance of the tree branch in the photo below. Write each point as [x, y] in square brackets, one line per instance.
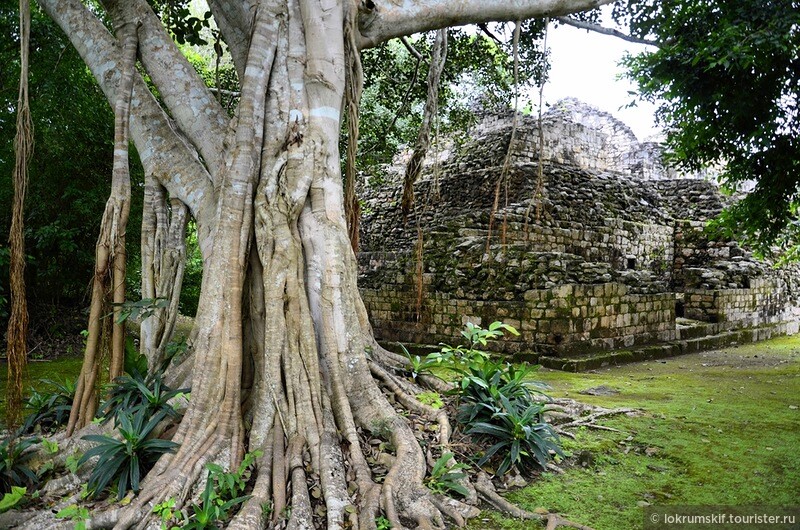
[381, 20]
[484, 28]
[606, 31]
[197, 112]
[406, 97]
[162, 151]
[235, 19]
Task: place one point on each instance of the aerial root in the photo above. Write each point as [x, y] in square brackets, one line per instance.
[301, 502]
[278, 470]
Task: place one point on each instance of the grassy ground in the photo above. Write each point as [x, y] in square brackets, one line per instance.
[717, 428]
[58, 370]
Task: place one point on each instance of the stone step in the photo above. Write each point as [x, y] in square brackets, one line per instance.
[580, 363]
[694, 337]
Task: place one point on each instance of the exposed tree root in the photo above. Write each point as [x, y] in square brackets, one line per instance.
[290, 480]
[571, 414]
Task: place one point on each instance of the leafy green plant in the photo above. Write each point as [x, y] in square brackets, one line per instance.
[49, 410]
[13, 498]
[432, 399]
[50, 447]
[484, 382]
[13, 471]
[77, 514]
[498, 404]
[135, 362]
[444, 478]
[477, 335]
[127, 460]
[72, 463]
[422, 365]
[520, 436]
[232, 484]
[133, 392]
[140, 309]
[166, 512]
[176, 348]
[382, 523]
[210, 510]
[222, 493]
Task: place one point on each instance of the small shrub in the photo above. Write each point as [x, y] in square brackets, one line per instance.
[210, 510]
[222, 493]
[125, 461]
[49, 410]
[13, 471]
[134, 392]
[520, 436]
[484, 382]
[229, 485]
[77, 514]
[497, 404]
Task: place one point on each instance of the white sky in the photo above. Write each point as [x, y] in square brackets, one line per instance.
[584, 66]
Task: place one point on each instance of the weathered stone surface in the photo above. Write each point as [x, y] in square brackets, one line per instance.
[603, 253]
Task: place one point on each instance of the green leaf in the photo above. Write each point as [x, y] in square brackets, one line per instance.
[13, 498]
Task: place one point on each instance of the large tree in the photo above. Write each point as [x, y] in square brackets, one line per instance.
[283, 359]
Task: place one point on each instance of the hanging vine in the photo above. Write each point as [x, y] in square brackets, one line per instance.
[537, 193]
[23, 146]
[414, 166]
[502, 181]
[354, 87]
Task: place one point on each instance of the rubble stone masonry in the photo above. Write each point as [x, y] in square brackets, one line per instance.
[604, 253]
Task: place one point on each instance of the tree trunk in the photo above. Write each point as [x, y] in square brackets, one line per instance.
[163, 254]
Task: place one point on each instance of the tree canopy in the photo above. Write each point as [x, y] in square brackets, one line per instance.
[726, 77]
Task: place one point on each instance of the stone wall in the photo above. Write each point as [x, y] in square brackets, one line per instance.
[603, 252]
[567, 318]
[768, 301]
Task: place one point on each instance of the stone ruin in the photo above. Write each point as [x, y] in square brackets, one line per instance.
[603, 260]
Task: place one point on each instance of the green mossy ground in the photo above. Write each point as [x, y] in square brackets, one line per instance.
[55, 370]
[717, 428]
